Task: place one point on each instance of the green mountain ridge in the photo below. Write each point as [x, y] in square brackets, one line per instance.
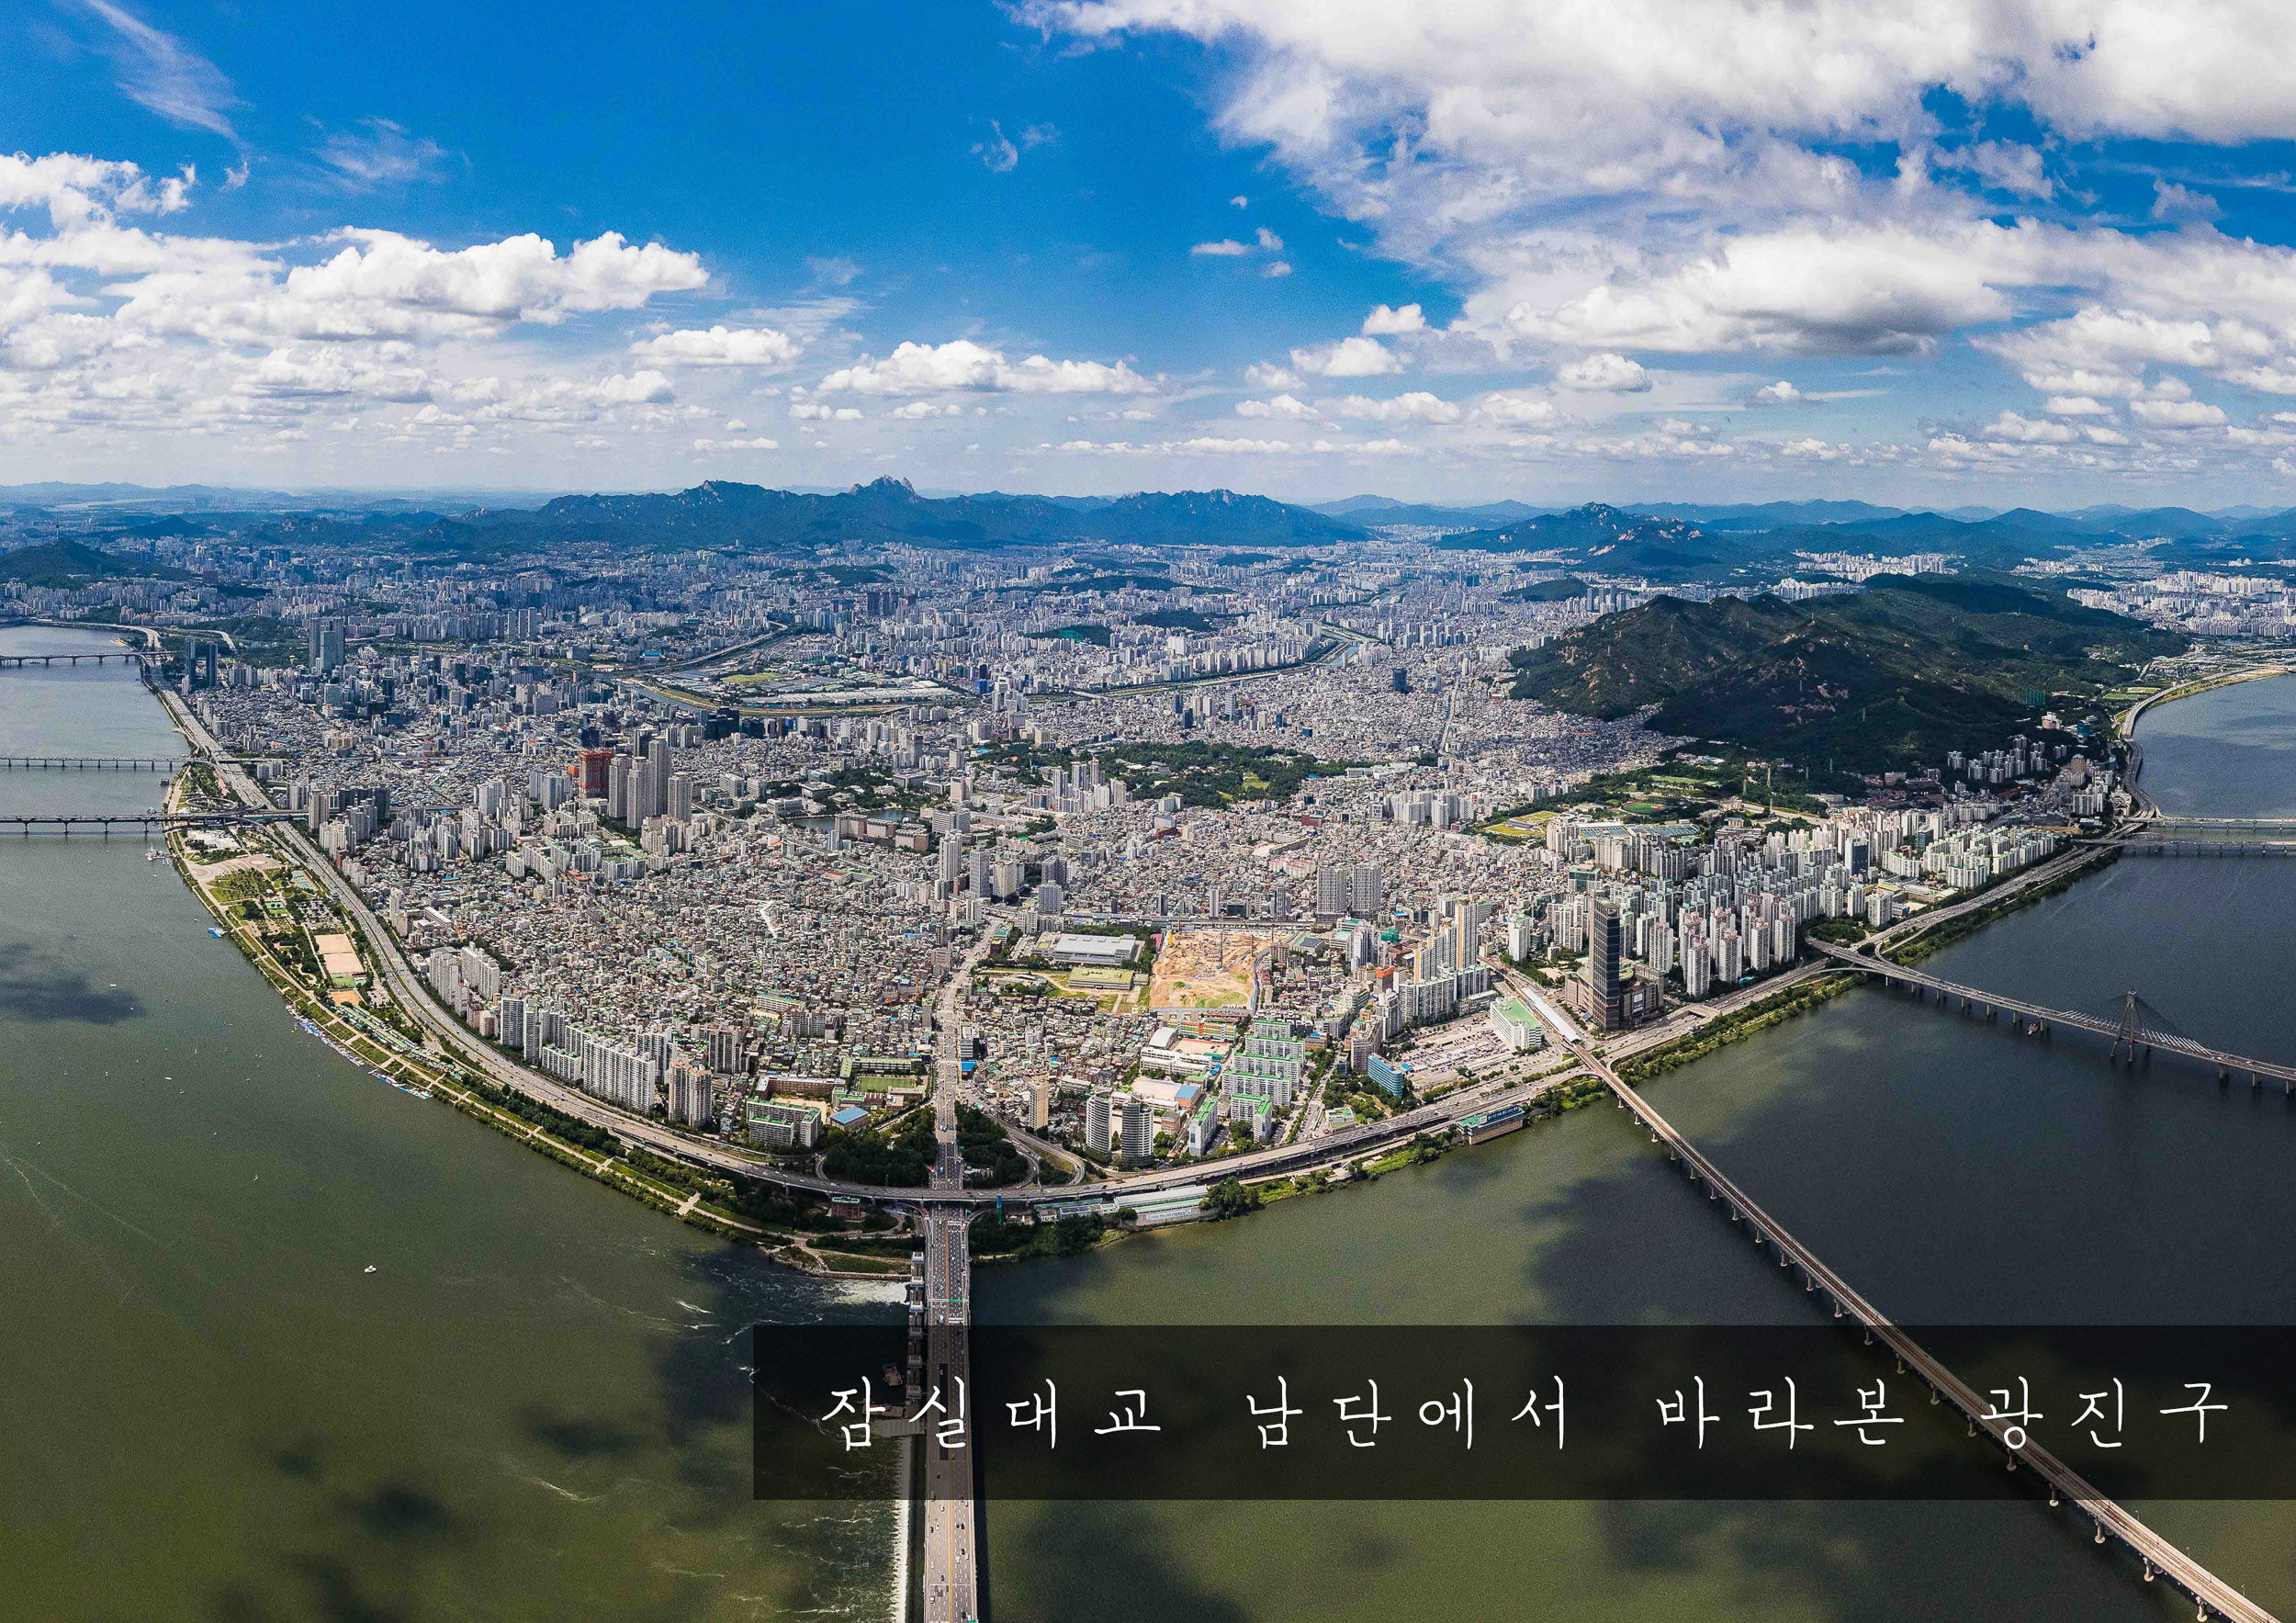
[64, 563]
[1900, 673]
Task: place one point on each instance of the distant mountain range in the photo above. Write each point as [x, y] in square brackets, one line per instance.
[1665, 543]
[726, 515]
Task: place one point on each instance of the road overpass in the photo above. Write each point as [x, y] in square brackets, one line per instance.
[2040, 1019]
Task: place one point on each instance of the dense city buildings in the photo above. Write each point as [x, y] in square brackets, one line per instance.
[1249, 847]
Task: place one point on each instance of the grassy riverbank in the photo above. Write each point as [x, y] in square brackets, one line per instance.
[1733, 1027]
[1937, 936]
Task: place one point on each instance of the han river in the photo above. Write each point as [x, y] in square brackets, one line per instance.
[284, 1343]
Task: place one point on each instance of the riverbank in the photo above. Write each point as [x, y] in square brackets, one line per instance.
[385, 1047]
[412, 1370]
[2124, 723]
[1735, 1027]
[1920, 943]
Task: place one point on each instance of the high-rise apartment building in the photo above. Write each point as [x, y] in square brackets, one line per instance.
[1140, 1132]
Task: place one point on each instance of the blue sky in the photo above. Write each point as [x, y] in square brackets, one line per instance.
[1931, 250]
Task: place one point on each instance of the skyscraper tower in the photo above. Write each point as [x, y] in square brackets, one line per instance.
[1605, 967]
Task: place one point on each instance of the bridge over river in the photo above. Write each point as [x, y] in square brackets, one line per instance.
[17, 661]
[52, 823]
[2215, 1599]
[2128, 1030]
[90, 764]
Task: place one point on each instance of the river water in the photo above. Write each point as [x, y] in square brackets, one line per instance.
[533, 1405]
[281, 1342]
[1952, 1172]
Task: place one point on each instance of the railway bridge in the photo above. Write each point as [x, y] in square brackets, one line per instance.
[28, 823]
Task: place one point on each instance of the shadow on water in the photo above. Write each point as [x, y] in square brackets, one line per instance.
[1109, 1564]
[401, 1549]
[36, 987]
[1919, 1562]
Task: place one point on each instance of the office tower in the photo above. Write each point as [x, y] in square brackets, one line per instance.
[326, 645]
[1605, 973]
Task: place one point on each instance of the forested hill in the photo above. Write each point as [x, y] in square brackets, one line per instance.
[1897, 674]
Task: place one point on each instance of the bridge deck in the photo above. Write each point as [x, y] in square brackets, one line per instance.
[2253, 825]
[128, 763]
[2215, 1597]
[950, 1570]
[2165, 1040]
[28, 822]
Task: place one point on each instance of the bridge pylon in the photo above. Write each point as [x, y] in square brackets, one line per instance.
[2128, 1029]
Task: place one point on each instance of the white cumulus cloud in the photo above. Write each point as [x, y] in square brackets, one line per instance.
[1417, 406]
[960, 364]
[1350, 358]
[1605, 373]
[720, 347]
